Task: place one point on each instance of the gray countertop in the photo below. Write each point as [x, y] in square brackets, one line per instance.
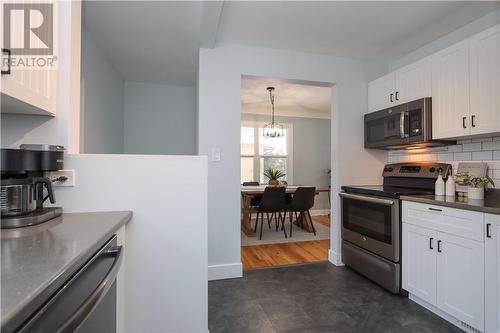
[490, 204]
[37, 260]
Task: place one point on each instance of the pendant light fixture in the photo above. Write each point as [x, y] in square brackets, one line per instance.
[272, 129]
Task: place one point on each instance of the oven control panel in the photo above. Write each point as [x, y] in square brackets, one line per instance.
[417, 170]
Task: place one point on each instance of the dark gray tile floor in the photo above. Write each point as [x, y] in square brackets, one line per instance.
[313, 298]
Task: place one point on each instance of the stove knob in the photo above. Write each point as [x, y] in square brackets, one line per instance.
[432, 169]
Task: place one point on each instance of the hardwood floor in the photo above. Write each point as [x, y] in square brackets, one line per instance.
[322, 219]
[270, 255]
[284, 254]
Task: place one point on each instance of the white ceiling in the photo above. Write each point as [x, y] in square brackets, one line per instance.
[292, 99]
[148, 41]
[356, 29]
[158, 41]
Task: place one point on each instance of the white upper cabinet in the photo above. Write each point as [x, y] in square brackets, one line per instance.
[404, 85]
[26, 90]
[381, 93]
[492, 273]
[414, 81]
[463, 81]
[450, 92]
[485, 82]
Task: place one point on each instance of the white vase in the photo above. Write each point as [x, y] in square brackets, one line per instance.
[475, 193]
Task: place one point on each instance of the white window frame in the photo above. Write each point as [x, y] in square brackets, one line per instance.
[256, 155]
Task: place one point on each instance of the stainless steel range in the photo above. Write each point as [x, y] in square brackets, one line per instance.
[371, 220]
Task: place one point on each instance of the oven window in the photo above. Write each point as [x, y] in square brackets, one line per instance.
[369, 219]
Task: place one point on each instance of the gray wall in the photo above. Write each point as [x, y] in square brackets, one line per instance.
[159, 119]
[102, 95]
[311, 151]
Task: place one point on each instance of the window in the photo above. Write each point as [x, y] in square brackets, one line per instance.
[259, 154]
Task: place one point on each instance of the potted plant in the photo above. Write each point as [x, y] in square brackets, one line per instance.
[475, 185]
[274, 176]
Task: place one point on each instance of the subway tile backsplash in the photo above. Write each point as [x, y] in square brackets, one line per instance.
[475, 150]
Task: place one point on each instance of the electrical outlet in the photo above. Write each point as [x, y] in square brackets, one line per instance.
[62, 177]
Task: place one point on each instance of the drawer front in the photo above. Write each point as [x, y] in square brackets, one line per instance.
[458, 222]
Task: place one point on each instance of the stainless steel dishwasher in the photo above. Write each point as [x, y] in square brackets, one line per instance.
[87, 301]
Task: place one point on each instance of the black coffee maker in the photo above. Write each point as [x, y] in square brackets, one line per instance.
[24, 188]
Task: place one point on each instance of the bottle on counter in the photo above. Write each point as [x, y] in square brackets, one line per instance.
[450, 186]
[439, 187]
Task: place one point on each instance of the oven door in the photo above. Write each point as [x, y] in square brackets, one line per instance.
[371, 223]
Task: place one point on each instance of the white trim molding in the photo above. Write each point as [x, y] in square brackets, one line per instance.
[318, 212]
[335, 258]
[225, 271]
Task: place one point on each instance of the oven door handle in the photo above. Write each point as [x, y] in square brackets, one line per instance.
[385, 202]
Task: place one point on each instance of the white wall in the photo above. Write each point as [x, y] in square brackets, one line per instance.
[456, 36]
[311, 151]
[102, 94]
[18, 129]
[159, 119]
[166, 240]
[219, 83]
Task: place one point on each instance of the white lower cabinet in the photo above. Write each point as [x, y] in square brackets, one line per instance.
[460, 279]
[492, 273]
[419, 262]
[448, 270]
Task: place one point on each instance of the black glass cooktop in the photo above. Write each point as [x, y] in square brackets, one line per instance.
[384, 191]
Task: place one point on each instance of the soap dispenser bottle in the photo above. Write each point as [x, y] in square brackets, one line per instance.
[450, 186]
[439, 187]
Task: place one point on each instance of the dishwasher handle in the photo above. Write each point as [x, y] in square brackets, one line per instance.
[79, 316]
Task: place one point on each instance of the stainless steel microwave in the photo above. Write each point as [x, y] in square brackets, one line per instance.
[401, 126]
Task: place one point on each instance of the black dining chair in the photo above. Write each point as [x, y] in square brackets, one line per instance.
[302, 202]
[272, 202]
[254, 202]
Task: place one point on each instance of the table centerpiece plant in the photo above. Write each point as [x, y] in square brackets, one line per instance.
[274, 176]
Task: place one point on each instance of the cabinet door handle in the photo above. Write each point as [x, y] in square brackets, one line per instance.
[431, 246]
[436, 210]
[472, 120]
[397, 93]
[390, 97]
[9, 60]
[463, 122]
[439, 246]
[488, 231]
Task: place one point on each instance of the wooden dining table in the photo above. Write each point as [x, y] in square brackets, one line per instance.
[249, 192]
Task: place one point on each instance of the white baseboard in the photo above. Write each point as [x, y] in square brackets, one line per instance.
[442, 314]
[317, 212]
[335, 258]
[225, 271]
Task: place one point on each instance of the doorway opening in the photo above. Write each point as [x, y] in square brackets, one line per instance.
[285, 159]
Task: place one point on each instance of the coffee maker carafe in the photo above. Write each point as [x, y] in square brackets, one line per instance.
[24, 189]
